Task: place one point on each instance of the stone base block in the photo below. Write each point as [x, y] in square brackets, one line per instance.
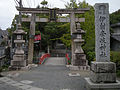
[103, 67]
[16, 63]
[103, 77]
[79, 60]
[19, 57]
[102, 72]
[71, 67]
[102, 86]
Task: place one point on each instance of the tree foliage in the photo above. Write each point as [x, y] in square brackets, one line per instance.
[72, 4]
[44, 4]
[115, 56]
[66, 39]
[88, 26]
[54, 31]
[115, 17]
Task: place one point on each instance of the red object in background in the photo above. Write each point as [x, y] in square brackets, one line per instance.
[37, 37]
[67, 56]
[42, 58]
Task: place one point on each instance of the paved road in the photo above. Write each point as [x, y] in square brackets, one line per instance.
[51, 78]
[55, 61]
[45, 77]
[5, 86]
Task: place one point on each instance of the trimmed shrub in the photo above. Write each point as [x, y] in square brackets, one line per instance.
[90, 56]
[115, 57]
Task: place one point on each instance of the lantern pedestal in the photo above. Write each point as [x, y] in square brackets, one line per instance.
[18, 61]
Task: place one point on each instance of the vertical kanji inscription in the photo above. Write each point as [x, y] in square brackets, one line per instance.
[102, 32]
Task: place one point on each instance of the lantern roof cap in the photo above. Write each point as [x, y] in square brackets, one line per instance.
[19, 30]
[79, 30]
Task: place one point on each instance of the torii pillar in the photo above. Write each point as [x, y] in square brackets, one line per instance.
[31, 39]
[72, 29]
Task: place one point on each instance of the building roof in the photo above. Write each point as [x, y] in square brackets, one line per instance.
[116, 36]
[3, 32]
[115, 25]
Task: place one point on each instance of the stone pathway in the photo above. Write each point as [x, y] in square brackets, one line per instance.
[55, 61]
[47, 77]
[5, 86]
[19, 86]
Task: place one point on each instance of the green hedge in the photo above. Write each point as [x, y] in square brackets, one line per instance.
[90, 56]
[115, 57]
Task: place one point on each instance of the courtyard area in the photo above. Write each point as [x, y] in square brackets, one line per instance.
[48, 76]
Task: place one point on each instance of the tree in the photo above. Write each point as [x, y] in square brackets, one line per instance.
[44, 3]
[1, 71]
[114, 55]
[54, 31]
[72, 4]
[66, 39]
[88, 26]
[115, 17]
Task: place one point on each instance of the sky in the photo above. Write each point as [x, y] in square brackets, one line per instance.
[8, 10]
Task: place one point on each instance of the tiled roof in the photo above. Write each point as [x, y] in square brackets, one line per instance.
[116, 36]
[115, 25]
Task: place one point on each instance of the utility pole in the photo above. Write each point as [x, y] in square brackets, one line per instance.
[19, 18]
[20, 14]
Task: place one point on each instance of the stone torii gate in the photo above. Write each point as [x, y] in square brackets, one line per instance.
[52, 13]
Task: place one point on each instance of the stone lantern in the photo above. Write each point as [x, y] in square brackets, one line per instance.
[79, 62]
[78, 40]
[19, 57]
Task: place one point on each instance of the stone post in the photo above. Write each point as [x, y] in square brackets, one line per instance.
[103, 72]
[102, 33]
